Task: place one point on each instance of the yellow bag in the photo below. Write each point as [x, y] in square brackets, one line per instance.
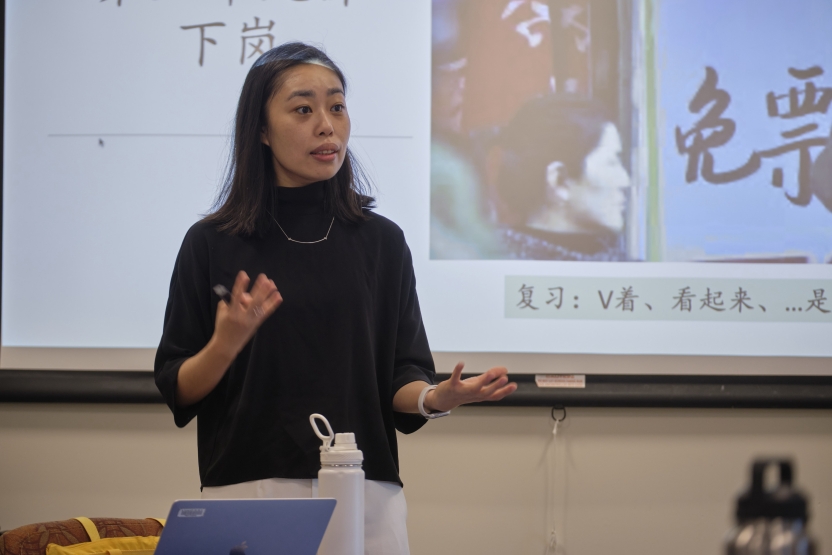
[134, 545]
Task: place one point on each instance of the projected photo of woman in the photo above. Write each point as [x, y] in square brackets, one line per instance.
[561, 185]
[526, 150]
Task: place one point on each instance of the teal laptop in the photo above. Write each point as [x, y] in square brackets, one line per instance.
[245, 527]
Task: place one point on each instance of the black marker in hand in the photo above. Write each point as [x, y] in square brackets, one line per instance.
[223, 293]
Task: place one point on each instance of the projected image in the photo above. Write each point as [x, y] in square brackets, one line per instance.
[604, 131]
[565, 134]
[526, 146]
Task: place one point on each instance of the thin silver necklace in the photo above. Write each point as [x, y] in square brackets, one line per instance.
[304, 242]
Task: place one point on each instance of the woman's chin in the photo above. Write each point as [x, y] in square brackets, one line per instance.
[604, 228]
[322, 174]
[613, 223]
[318, 176]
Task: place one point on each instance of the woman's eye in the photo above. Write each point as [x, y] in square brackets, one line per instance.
[339, 108]
[304, 110]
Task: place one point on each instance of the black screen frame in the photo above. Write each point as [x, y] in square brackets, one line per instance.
[602, 390]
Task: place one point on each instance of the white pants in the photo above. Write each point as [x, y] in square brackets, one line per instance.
[385, 509]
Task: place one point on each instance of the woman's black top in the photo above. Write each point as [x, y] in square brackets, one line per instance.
[348, 335]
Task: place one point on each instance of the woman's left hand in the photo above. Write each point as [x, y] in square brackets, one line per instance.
[489, 386]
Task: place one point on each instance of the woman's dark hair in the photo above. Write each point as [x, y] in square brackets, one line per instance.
[546, 129]
[247, 194]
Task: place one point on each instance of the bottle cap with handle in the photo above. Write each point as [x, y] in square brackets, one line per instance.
[771, 520]
[781, 502]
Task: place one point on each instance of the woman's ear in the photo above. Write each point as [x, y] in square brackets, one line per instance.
[264, 137]
[556, 186]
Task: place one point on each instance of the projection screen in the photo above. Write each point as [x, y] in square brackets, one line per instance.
[640, 186]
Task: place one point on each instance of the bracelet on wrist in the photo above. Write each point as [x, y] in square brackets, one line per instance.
[421, 405]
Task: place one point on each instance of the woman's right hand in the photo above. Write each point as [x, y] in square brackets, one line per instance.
[238, 320]
[235, 325]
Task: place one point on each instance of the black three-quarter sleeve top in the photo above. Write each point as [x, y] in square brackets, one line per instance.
[348, 335]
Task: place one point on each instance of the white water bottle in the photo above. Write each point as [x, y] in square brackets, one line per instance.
[342, 478]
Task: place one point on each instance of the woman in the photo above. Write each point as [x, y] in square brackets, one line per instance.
[331, 324]
[561, 185]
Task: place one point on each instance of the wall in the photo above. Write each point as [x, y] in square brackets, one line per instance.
[485, 481]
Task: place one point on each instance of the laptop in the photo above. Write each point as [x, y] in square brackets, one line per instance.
[245, 527]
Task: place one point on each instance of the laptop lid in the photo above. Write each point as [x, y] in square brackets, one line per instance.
[245, 526]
